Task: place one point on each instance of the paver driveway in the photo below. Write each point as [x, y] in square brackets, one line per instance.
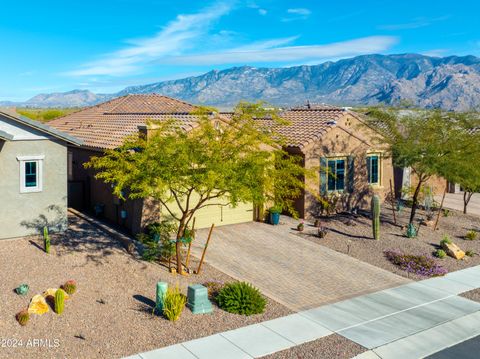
[293, 271]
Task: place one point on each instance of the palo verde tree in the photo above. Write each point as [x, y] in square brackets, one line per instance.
[219, 162]
[465, 169]
[429, 142]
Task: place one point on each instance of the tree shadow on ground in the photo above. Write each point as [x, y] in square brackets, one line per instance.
[82, 237]
[348, 235]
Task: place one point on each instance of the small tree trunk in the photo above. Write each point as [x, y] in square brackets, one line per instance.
[466, 199]
[178, 245]
[415, 200]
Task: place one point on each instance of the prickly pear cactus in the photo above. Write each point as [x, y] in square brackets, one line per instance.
[59, 301]
[376, 216]
[46, 240]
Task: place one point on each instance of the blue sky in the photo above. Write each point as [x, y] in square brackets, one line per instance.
[104, 46]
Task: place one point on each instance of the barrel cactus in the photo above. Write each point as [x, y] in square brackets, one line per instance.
[22, 317]
[59, 301]
[46, 240]
[376, 216]
[70, 287]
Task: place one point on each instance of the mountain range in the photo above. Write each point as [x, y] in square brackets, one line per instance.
[450, 83]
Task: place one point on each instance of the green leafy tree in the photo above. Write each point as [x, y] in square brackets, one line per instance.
[429, 142]
[218, 162]
[465, 170]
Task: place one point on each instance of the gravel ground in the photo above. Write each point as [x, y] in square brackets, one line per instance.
[472, 295]
[110, 315]
[331, 347]
[353, 236]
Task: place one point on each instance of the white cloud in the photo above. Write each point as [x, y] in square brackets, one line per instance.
[271, 51]
[174, 38]
[262, 12]
[296, 14]
[299, 11]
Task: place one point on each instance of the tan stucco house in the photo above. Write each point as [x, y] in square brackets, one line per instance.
[332, 138]
[349, 161]
[33, 180]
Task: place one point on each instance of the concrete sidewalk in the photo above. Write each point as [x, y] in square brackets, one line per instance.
[455, 201]
[410, 321]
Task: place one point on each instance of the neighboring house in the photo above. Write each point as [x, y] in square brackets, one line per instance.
[33, 181]
[349, 163]
[105, 126]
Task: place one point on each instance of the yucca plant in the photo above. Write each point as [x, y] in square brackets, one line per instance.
[241, 298]
[173, 304]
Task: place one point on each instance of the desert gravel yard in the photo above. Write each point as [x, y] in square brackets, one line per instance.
[352, 235]
[110, 315]
[331, 347]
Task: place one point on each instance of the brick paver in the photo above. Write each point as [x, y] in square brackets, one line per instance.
[293, 271]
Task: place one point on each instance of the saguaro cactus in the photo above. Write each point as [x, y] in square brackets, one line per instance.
[46, 240]
[59, 301]
[375, 216]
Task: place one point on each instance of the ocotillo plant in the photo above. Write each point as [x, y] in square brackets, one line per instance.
[59, 301]
[375, 216]
[46, 240]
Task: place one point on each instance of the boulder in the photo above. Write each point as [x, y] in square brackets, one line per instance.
[453, 250]
[38, 305]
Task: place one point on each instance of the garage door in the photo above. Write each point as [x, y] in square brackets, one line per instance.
[220, 215]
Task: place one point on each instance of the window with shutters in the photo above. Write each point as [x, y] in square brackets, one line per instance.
[373, 168]
[336, 172]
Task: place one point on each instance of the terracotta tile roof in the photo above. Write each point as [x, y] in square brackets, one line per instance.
[105, 126]
[306, 124]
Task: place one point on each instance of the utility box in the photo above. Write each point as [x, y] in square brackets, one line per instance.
[197, 299]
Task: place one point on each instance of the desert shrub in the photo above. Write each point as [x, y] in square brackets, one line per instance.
[469, 253]
[214, 287]
[440, 253]
[446, 212]
[445, 240]
[173, 303]
[158, 241]
[241, 298]
[471, 235]
[423, 265]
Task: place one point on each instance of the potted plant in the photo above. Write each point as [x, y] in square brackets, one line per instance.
[322, 232]
[301, 226]
[275, 214]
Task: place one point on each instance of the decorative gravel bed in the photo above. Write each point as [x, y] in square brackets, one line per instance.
[352, 235]
[331, 347]
[472, 295]
[110, 315]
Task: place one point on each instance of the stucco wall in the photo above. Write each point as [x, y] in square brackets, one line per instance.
[89, 192]
[23, 214]
[348, 138]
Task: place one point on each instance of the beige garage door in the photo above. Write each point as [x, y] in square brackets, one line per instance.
[221, 215]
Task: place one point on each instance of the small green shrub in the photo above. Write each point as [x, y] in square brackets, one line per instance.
[440, 253]
[173, 304]
[241, 298]
[446, 212]
[469, 253]
[445, 240]
[471, 235]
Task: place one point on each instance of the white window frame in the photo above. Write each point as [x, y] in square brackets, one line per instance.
[39, 161]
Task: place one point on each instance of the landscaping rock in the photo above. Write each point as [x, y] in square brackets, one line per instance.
[38, 305]
[453, 250]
